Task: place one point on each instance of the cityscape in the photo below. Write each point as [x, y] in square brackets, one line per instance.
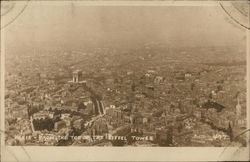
[150, 94]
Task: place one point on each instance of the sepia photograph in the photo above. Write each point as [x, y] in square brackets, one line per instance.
[124, 75]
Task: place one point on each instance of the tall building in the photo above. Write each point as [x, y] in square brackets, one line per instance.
[77, 76]
[238, 108]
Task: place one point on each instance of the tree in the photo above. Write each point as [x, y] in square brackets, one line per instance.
[230, 132]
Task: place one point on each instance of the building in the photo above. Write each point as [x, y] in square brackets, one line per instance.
[114, 113]
[42, 115]
[180, 77]
[159, 79]
[188, 75]
[65, 115]
[59, 125]
[77, 76]
[78, 124]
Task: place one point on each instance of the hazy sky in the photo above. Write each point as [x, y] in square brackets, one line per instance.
[74, 26]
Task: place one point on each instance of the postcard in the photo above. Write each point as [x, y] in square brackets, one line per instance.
[125, 80]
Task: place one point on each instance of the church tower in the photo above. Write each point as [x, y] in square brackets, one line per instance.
[238, 108]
